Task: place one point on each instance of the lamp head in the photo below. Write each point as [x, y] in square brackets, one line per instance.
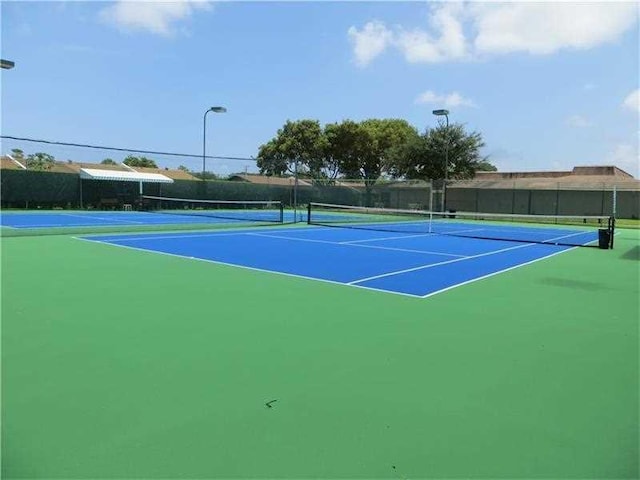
[218, 109]
[440, 112]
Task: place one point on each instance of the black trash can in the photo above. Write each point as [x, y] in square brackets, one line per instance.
[604, 238]
[452, 213]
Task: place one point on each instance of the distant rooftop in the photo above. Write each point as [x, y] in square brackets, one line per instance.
[67, 166]
[607, 170]
[587, 177]
[267, 180]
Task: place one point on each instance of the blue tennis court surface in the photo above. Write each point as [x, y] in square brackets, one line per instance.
[417, 265]
[64, 219]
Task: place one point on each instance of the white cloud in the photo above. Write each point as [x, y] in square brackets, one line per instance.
[632, 102]
[151, 16]
[450, 100]
[369, 42]
[578, 121]
[543, 28]
[449, 42]
[588, 86]
[464, 31]
[626, 157]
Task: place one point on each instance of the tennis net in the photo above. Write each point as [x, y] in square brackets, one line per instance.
[239, 210]
[595, 231]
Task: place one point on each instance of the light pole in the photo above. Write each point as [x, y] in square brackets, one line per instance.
[204, 136]
[445, 113]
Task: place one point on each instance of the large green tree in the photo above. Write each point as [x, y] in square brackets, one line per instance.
[357, 150]
[373, 142]
[424, 157]
[302, 142]
[271, 161]
[134, 161]
[40, 161]
[108, 161]
[486, 166]
[345, 149]
[17, 154]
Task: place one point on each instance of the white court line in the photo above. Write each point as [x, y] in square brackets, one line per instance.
[377, 247]
[100, 218]
[70, 225]
[466, 230]
[504, 270]
[387, 238]
[424, 267]
[566, 236]
[107, 242]
[255, 269]
[195, 234]
[495, 273]
[431, 265]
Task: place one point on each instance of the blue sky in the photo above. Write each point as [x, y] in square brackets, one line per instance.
[549, 85]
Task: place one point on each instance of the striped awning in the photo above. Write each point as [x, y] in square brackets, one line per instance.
[120, 176]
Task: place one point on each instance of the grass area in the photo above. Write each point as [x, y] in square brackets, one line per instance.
[126, 364]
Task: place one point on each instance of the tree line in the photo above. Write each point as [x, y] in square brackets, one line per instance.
[366, 150]
[371, 149]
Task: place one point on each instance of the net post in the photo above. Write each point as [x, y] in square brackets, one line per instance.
[281, 212]
[612, 230]
[309, 214]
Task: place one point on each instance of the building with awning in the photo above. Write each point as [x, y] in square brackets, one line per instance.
[117, 176]
[122, 176]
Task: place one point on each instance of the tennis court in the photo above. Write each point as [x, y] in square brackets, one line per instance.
[247, 352]
[416, 265]
[393, 251]
[179, 213]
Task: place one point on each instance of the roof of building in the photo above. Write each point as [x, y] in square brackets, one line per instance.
[120, 176]
[7, 163]
[268, 180]
[587, 177]
[601, 171]
[75, 167]
[174, 174]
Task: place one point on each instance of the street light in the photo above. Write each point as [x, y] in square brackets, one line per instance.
[7, 64]
[444, 113]
[204, 136]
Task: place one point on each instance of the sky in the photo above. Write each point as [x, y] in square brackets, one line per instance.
[549, 85]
